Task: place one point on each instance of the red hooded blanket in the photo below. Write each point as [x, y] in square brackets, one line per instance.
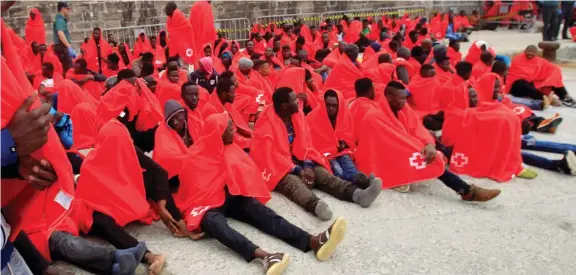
[35, 28]
[538, 70]
[343, 76]
[178, 26]
[423, 99]
[214, 106]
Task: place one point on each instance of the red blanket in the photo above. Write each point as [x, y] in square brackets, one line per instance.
[111, 181]
[479, 69]
[325, 138]
[86, 125]
[41, 80]
[209, 167]
[293, 78]
[34, 31]
[423, 98]
[485, 89]
[70, 95]
[91, 53]
[178, 26]
[353, 33]
[454, 56]
[332, 58]
[343, 76]
[538, 70]
[169, 149]
[38, 213]
[143, 46]
[93, 87]
[452, 89]
[271, 150]
[475, 153]
[401, 140]
[214, 106]
[475, 51]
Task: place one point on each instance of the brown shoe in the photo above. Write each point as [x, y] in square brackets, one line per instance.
[276, 263]
[329, 239]
[480, 194]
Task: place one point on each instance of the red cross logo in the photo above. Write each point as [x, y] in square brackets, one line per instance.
[189, 52]
[259, 97]
[418, 161]
[198, 210]
[265, 176]
[519, 110]
[459, 160]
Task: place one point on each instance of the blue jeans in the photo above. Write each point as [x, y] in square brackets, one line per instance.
[540, 162]
[534, 104]
[530, 143]
[344, 168]
[16, 265]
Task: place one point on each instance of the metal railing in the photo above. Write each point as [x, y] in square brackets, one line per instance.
[308, 18]
[235, 28]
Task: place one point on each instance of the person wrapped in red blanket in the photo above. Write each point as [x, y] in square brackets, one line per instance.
[489, 89]
[179, 27]
[332, 131]
[221, 101]
[35, 31]
[219, 180]
[248, 100]
[399, 134]
[47, 82]
[96, 51]
[302, 82]
[424, 100]
[345, 73]
[283, 149]
[533, 76]
[483, 66]
[91, 82]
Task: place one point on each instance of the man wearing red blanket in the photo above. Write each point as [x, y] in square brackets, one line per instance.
[282, 147]
[410, 149]
[219, 180]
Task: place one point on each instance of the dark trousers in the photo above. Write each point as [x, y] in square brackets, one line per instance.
[549, 18]
[450, 179]
[76, 162]
[523, 88]
[81, 252]
[35, 261]
[156, 183]
[567, 12]
[252, 212]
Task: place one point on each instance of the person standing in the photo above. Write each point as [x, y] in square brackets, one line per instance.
[549, 18]
[62, 36]
[567, 13]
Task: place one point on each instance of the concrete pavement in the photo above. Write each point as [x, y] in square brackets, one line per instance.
[529, 229]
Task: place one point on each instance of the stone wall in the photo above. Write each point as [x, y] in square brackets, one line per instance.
[86, 15]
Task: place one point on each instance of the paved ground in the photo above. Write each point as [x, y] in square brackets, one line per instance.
[529, 229]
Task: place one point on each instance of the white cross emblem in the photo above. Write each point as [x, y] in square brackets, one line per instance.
[259, 97]
[459, 160]
[265, 176]
[519, 110]
[418, 161]
[158, 62]
[438, 35]
[189, 52]
[198, 210]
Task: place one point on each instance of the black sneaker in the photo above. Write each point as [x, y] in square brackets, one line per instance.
[568, 163]
[569, 102]
[330, 239]
[276, 263]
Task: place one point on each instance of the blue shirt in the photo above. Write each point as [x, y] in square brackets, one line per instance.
[61, 24]
[306, 163]
[9, 155]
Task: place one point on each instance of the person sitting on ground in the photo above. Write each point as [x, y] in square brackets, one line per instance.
[566, 165]
[500, 68]
[222, 101]
[484, 65]
[90, 81]
[399, 133]
[404, 70]
[48, 81]
[453, 52]
[205, 75]
[217, 166]
[534, 77]
[112, 65]
[331, 128]
[138, 63]
[283, 149]
[424, 100]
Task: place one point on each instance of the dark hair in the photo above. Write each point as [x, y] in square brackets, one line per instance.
[499, 66]
[152, 37]
[394, 44]
[426, 67]
[258, 63]
[223, 47]
[186, 85]
[363, 86]
[300, 40]
[384, 58]
[227, 74]
[125, 74]
[82, 62]
[331, 93]
[416, 51]
[173, 59]
[147, 56]
[280, 96]
[113, 57]
[62, 5]
[286, 47]
[423, 31]
[147, 69]
[463, 68]
[395, 85]
[48, 66]
[486, 56]
[224, 85]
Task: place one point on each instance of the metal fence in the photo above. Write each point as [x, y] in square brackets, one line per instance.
[336, 15]
[236, 28]
[308, 18]
[413, 11]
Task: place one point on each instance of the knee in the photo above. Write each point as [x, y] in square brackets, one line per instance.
[211, 220]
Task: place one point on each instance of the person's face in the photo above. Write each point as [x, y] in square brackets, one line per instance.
[173, 76]
[429, 73]
[445, 64]
[497, 89]
[226, 60]
[277, 45]
[47, 73]
[78, 67]
[332, 106]
[173, 64]
[153, 42]
[286, 53]
[530, 53]
[264, 69]
[112, 65]
[177, 121]
[34, 46]
[65, 11]
[121, 48]
[96, 34]
[111, 37]
[250, 46]
[364, 24]
[325, 38]
[230, 96]
[462, 13]
[234, 81]
[228, 135]
[269, 52]
[234, 48]
[303, 56]
[207, 51]
[473, 97]
[397, 99]
[142, 37]
[341, 46]
[191, 96]
[42, 49]
[152, 87]
[292, 106]
[32, 15]
[313, 31]
[426, 47]
[259, 37]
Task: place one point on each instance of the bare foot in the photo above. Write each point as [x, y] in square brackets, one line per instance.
[156, 262]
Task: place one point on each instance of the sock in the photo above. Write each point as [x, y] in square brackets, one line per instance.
[124, 263]
[367, 196]
[138, 251]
